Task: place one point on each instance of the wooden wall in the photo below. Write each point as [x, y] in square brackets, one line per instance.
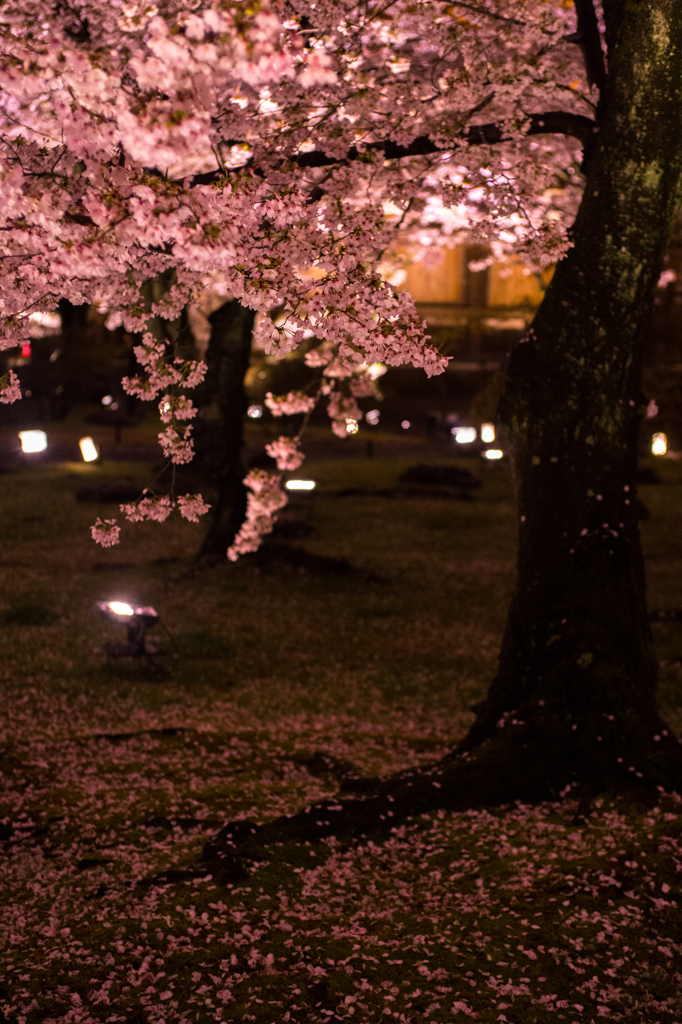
[452, 282]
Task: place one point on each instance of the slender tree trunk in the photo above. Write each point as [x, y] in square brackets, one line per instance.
[73, 342]
[220, 425]
[222, 403]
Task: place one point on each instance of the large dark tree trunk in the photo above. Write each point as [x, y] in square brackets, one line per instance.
[219, 430]
[574, 701]
[577, 664]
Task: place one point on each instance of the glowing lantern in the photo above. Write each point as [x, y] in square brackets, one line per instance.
[492, 453]
[89, 449]
[487, 432]
[26, 350]
[33, 440]
[659, 444]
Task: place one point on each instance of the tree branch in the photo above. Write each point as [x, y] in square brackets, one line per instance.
[553, 122]
[477, 9]
[589, 41]
[531, 761]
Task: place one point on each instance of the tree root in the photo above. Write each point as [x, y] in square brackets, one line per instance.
[522, 763]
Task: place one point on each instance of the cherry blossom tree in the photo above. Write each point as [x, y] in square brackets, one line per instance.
[284, 148]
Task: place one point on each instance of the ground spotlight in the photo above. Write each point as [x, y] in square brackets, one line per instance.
[33, 440]
[136, 620]
[464, 435]
[487, 432]
[492, 453]
[89, 449]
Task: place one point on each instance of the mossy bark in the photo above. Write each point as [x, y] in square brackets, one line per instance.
[577, 658]
[219, 428]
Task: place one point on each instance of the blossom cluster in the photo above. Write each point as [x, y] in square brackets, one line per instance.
[191, 506]
[176, 407]
[291, 404]
[265, 499]
[341, 409]
[176, 443]
[149, 508]
[155, 507]
[105, 532]
[163, 372]
[287, 453]
[10, 390]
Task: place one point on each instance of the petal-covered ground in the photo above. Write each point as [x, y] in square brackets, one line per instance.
[517, 914]
[285, 682]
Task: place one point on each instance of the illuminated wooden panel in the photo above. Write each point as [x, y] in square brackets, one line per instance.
[511, 284]
[443, 283]
[503, 284]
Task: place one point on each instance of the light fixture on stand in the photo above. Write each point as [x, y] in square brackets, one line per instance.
[137, 620]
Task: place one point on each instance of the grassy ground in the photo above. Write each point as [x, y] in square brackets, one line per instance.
[115, 774]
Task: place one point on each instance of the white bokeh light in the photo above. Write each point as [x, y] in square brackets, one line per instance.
[89, 449]
[33, 440]
[300, 485]
[659, 444]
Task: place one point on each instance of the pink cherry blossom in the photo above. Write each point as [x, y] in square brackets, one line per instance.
[105, 532]
[176, 407]
[264, 501]
[10, 390]
[291, 404]
[191, 506]
[177, 444]
[286, 452]
[156, 508]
